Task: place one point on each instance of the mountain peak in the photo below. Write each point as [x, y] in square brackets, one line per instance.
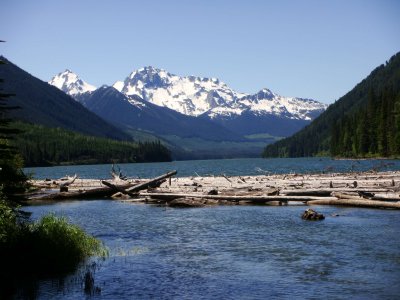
[70, 83]
[148, 72]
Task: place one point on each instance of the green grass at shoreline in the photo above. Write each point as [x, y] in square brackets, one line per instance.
[49, 247]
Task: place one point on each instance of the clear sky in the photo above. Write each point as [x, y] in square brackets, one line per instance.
[312, 49]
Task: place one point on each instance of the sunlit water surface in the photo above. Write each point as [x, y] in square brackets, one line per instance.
[231, 252]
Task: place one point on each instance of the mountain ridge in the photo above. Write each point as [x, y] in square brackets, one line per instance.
[195, 96]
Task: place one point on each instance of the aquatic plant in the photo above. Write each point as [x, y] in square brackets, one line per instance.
[60, 246]
[49, 247]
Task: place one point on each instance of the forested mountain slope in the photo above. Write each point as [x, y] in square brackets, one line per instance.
[363, 123]
[44, 104]
[41, 146]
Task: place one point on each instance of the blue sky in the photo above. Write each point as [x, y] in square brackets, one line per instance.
[311, 49]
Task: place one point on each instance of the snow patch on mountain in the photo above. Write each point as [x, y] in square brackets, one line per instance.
[70, 83]
[188, 95]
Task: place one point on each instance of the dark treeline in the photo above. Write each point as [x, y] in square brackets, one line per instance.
[40, 146]
[362, 123]
[373, 131]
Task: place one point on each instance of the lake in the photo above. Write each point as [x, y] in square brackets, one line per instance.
[232, 252]
[231, 167]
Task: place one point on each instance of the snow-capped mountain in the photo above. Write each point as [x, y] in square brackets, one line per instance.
[194, 96]
[70, 83]
[189, 95]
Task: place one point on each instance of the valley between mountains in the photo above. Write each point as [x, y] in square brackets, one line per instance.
[196, 117]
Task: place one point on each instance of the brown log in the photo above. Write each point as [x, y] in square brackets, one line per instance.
[309, 192]
[356, 203]
[146, 184]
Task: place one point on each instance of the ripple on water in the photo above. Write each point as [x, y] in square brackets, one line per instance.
[236, 252]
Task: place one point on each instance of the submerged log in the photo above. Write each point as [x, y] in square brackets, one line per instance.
[356, 203]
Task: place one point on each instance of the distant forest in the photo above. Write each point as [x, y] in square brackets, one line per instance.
[363, 123]
[42, 146]
[372, 131]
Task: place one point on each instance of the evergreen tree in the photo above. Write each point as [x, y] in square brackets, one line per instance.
[12, 179]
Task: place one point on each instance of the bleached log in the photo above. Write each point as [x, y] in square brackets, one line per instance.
[118, 188]
[146, 184]
[64, 185]
[117, 176]
[340, 195]
[356, 203]
[328, 191]
[70, 180]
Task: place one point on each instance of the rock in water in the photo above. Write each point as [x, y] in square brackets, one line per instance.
[312, 215]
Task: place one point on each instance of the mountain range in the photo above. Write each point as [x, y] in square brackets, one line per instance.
[195, 117]
[179, 108]
[197, 96]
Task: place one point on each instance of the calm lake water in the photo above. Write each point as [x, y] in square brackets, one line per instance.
[242, 166]
[231, 252]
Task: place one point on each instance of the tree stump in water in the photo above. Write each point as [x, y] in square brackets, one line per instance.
[213, 192]
[312, 215]
[63, 188]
